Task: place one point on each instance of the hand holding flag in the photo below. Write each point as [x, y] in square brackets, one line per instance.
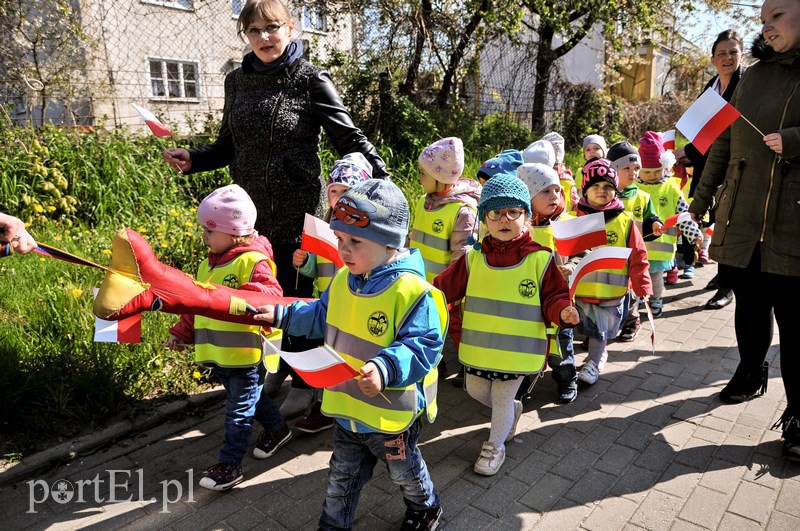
[578, 234]
[674, 219]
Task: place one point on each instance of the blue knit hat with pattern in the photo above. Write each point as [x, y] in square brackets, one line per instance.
[375, 210]
[504, 191]
[505, 162]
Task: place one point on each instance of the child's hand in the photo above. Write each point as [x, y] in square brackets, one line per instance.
[658, 228]
[698, 241]
[566, 270]
[370, 384]
[174, 343]
[570, 315]
[266, 313]
[299, 257]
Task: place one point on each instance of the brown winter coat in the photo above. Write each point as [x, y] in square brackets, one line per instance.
[755, 191]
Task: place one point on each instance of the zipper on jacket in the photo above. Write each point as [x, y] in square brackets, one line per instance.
[269, 161]
[775, 160]
[735, 190]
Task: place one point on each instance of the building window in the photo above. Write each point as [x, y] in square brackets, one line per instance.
[173, 79]
[185, 5]
[314, 19]
[236, 7]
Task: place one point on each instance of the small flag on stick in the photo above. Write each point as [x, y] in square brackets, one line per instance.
[669, 139]
[706, 118]
[674, 219]
[603, 258]
[155, 125]
[318, 238]
[319, 367]
[578, 234]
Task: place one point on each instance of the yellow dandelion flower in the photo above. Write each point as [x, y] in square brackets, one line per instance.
[173, 212]
[41, 259]
[76, 293]
[51, 208]
[57, 238]
[188, 224]
[196, 375]
[107, 252]
[164, 245]
[188, 233]
[27, 224]
[38, 208]
[142, 230]
[193, 209]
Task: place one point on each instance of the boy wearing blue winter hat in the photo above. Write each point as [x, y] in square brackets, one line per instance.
[506, 162]
[389, 324]
[513, 291]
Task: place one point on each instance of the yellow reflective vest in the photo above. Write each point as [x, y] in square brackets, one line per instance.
[431, 235]
[504, 329]
[326, 270]
[636, 206]
[360, 327]
[665, 197]
[608, 284]
[220, 342]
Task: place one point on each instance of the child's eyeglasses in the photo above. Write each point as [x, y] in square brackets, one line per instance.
[510, 213]
[269, 29]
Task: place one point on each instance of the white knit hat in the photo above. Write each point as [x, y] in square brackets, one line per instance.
[537, 177]
[558, 144]
[444, 160]
[541, 152]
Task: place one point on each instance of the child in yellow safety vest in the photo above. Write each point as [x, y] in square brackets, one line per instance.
[353, 168]
[513, 291]
[665, 192]
[382, 316]
[601, 295]
[238, 258]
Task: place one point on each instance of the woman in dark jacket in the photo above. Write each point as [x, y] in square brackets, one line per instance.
[754, 183]
[726, 56]
[276, 104]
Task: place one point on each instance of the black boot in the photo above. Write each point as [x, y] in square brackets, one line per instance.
[790, 425]
[746, 383]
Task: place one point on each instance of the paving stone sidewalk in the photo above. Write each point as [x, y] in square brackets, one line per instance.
[650, 446]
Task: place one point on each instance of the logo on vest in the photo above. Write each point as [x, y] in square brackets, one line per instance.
[637, 211]
[378, 323]
[527, 288]
[438, 226]
[232, 281]
[662, 201]
[612, 237]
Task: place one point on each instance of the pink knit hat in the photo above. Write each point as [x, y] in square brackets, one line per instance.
[651, 150]
[229, 210]
[443, 160]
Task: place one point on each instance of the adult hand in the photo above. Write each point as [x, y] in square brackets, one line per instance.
[12, 230]
[370, 383]
[680, 155]
[178, 158]
[774, 142]
[697, 218]
[299, 257]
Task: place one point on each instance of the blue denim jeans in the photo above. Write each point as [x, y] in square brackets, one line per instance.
[351, 466]
[245, 403]
[563, 366]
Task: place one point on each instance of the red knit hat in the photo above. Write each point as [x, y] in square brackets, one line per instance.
[651, 147]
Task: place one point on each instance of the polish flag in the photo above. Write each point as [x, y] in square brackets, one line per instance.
[603, 258]
[710, 230]
[669, 139]
[706, 118]
[318, 238]
[155, 125]
[128, 330]
[674, 219]
[319, 367]
[578, 234]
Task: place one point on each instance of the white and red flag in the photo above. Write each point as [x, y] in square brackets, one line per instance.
[155, 125]
[669, 139]
[578, 234]
[318, 238]
[707, 117]
[603, 258]
[128, 330]
[674, 219]
[319, 367]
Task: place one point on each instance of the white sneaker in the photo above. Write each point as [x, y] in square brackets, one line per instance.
[517, 415]
[603, 360]
[589, 374]
[490, 460]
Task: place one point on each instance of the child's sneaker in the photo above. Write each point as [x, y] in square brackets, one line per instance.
[688, 273]
[427, 519]
[315, 421]
[568, 391]
[269, 443]
[490, 460]
[517, 415]
[657, 306]
[672, 277]
[222, 476]
[630, 331]
[703, 258]
[589, 373]
[603, 359]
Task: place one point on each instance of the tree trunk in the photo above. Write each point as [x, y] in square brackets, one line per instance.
[458, 54]
[422, 21]
[545, 57]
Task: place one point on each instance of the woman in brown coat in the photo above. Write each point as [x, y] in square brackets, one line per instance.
[754, 183]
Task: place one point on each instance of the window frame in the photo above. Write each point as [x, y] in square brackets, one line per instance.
[319, 17]
[164, 61]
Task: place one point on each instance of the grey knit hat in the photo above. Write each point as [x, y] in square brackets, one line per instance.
[504, 191]
[541, 151]
[596, 139]
[537, 177]
[375, 210]
[622, 154]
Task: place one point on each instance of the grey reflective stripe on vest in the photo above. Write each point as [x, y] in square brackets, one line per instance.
[204, 336]
[659, 246]
[350, 344]
[672, 231]
[433, 267]
[604, 277]
[326, 269]
[503, 342]
[441, 244]
[402, 399]
[511, 310]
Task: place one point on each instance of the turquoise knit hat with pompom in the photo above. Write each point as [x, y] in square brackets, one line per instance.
[504, 191]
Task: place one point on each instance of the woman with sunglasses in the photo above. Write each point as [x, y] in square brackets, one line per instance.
[275, 107]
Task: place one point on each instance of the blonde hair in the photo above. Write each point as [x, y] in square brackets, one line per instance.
[245, 240]
[268, 10]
